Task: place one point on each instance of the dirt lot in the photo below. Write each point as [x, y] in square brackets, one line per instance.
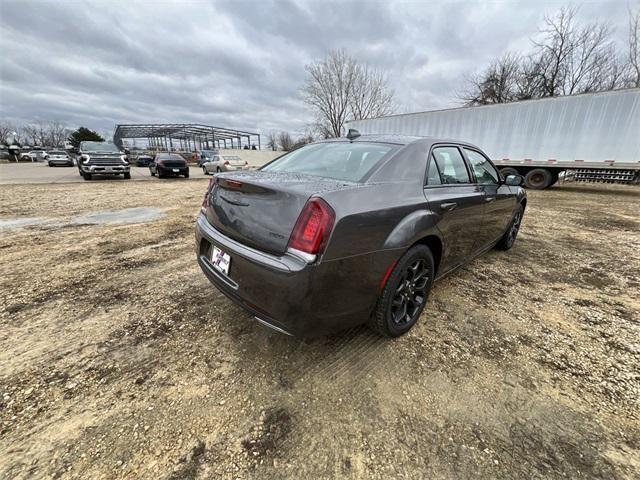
[118, 359]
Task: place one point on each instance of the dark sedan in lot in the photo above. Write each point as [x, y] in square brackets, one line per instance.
[350, 231]
[169, 165]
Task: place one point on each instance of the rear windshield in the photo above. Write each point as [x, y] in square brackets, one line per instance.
[339, 160]
[231, 158]
[57, 153]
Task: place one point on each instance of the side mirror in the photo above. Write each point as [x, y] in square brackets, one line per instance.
[514, 180]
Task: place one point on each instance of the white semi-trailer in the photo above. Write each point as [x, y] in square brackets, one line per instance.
[590, 137]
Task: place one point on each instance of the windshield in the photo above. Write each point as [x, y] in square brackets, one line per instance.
[98, 147]
[339, 160]
[57, 153]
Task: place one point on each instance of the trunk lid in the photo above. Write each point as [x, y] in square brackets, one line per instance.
[260, 209]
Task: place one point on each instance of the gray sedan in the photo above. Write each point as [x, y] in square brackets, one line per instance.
[350, 231]
[224, 163]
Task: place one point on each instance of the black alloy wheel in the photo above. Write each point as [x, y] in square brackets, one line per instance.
[410, 293]
[405, 293]
[509, 237]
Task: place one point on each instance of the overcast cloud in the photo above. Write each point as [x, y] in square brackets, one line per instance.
[240, 64]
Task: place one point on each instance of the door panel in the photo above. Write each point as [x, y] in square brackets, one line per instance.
[499, 202]
[460, 208]
[497, 214]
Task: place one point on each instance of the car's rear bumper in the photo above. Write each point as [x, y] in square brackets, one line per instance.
[231, 168]
[171, 170]
[291, 296]
[61, 162]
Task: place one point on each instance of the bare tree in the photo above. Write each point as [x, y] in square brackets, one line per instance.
[371, 95]
[56, 133]
[568, 58]
[574, 59]
[338, 87]
[6, 131]
[272, 141]
[285, 141]
[633, 79]
[328, 87]
[31, 134]
[499, 83]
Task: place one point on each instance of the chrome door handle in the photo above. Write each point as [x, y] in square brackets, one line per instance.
[448, 205]
[489, 199]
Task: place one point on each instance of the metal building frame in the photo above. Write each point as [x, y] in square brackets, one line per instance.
[187, 136]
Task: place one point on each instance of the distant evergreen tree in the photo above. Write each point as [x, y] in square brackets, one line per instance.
[83, 134]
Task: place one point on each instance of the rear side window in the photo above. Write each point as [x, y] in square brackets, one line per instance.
[451, 165]
[484, 171]
[433, 175]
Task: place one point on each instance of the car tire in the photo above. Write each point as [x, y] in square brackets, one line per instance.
[406, 290]
[509, 237]
[158, 174]
[538, 179]
[49, 163]
[86, 176]
[204, 170]
[153, 174]
[186, 175]
[127, 176]
[218, 170]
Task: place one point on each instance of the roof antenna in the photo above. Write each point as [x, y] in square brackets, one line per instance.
[353, 134]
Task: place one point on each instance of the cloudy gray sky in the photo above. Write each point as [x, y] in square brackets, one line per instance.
[241, 63]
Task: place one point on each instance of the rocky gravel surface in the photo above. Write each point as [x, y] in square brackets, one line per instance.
[119, 360]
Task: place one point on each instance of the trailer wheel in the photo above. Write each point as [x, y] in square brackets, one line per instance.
[538, 179]
[506, 171]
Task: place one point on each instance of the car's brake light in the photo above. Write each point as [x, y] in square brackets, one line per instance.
[312, 229]
[226, 162]
[207, 193]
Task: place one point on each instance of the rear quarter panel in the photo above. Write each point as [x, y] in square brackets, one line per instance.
[375, 217]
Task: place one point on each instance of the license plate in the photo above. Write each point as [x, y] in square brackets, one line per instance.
[176, 170]
[220, 260]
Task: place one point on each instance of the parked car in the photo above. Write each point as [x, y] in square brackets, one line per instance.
[349, 231]
[34, 156]
[224, 163]
[144, 160]
[169, 165]
[101, 158]
[59, 157]
[206, 156]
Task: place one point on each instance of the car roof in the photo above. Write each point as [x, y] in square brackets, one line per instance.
[401, 140]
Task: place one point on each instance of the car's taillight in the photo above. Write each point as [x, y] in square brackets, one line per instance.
[205, 200]
[312, 229]
[226, 163]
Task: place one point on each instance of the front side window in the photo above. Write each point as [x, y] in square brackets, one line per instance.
[484, 171]
[339, 160]
[451, 165]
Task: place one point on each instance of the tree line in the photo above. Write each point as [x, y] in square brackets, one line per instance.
[51, 134]
[567, 58]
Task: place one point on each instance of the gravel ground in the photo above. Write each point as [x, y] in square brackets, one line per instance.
[118, 359]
